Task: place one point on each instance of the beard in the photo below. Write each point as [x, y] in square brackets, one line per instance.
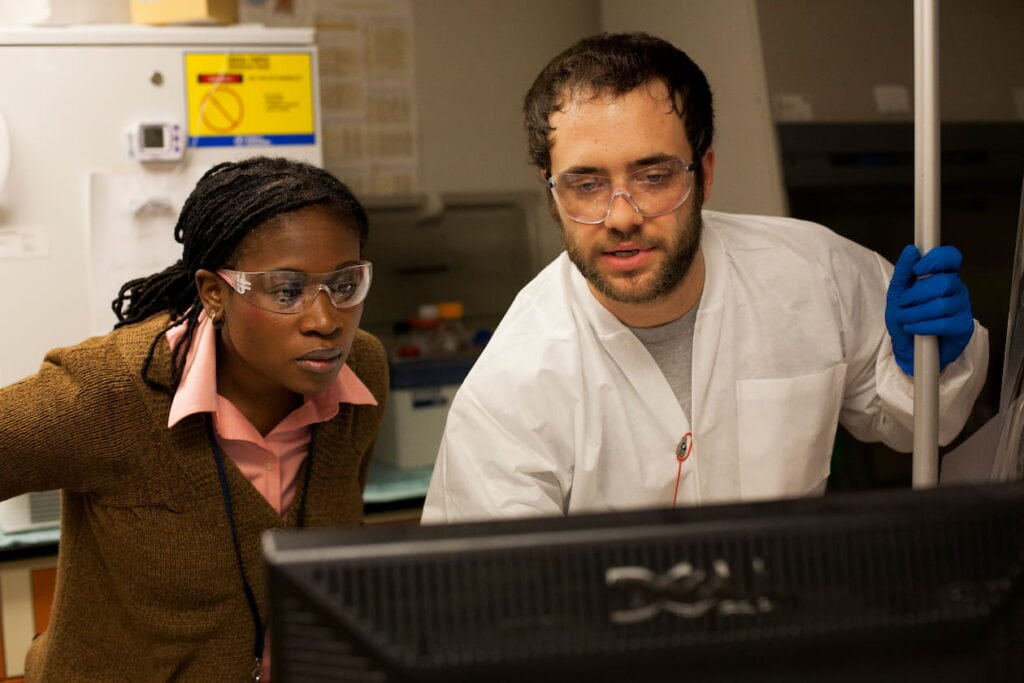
[629, 288]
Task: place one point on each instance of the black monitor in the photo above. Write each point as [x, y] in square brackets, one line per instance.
[893, 585]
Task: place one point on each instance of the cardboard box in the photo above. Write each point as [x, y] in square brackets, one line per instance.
[184, 11]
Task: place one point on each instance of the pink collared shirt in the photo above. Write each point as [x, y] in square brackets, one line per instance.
[269, 462]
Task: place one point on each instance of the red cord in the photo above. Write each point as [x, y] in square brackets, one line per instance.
[683, 451]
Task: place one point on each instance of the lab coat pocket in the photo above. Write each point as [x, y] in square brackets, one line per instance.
[786, 432]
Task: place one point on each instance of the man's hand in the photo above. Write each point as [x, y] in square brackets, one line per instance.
[927, 297]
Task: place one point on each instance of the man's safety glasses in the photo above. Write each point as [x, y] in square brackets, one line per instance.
[290, 291]
[652, 191]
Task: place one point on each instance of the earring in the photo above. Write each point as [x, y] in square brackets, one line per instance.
[217, 319]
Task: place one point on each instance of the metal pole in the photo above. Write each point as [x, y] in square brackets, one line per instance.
[926, 233]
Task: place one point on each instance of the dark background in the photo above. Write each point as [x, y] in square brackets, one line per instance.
[858, 179]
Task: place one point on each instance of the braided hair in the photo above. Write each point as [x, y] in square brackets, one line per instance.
[230, 201]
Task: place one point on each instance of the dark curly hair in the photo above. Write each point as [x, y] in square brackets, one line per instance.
[230, 201]
[619, 63]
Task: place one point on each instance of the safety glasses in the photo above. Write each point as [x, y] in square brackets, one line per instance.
[290, 291]
[652, 191]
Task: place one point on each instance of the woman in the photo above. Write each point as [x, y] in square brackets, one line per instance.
[236, 394]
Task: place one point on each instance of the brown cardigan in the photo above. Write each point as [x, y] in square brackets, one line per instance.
[147, 581]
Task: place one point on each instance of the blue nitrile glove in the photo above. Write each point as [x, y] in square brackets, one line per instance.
[938, 305]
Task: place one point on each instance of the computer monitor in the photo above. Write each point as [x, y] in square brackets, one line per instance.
[892, 585]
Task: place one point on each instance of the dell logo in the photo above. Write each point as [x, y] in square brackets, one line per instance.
[638, 593]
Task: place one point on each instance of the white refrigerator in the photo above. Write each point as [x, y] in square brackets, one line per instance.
[104, 129]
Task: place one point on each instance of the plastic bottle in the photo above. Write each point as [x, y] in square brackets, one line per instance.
[423, 331]
[452, 337]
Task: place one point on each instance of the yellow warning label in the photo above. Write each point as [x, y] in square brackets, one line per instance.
[256, 99]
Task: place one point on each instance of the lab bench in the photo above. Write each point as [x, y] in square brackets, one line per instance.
[394, 494]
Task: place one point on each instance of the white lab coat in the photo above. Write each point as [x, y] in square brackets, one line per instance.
[566, 411]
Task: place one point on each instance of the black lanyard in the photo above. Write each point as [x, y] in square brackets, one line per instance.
[300, 519]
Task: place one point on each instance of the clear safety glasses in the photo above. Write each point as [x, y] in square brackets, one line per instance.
[290, 291]
[652, 191]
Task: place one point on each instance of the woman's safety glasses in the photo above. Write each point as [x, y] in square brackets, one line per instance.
[652, 191]
[290, 291]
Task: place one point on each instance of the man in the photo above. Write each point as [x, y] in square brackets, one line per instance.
[677, 356]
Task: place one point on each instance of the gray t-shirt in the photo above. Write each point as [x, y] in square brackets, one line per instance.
[671, 345]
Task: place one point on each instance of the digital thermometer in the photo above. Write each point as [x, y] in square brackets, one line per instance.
[157, 141]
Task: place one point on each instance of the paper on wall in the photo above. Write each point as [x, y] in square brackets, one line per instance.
[23, 241]
[367, 87]
[131, 231]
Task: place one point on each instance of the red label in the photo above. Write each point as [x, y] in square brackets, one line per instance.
[220, 78]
